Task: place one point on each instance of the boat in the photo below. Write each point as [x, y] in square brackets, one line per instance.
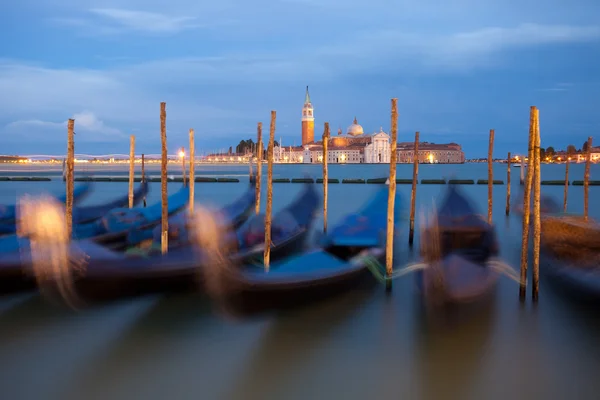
[570, 255]
[114, 228]
[548, 205]
[118, 228]
[105, 274]
[456, 248]
[339, 262]
[8, 213]
[87, 214]
[234, 215]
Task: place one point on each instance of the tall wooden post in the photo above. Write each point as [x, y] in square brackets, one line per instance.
[131, 168]
[182, 155]
[192, 171]
[527, 204]
[586, 179]
[144, 175]
[413, 193]
[536, 210]
[269, 211]
[389, 246]
[508, 184]
[566, 194]
[164, 242]
[325, 175]
[490, 176]
[70, 175]
[259, 158]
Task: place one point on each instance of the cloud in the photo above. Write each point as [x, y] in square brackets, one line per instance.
[456, 51]
[221, 66]
[87, 128]
[112, 21]
[145, 21]
[559, 87]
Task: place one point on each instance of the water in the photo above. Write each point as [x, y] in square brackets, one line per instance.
[356, 346]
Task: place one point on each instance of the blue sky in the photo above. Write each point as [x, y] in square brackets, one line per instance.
[458, 69]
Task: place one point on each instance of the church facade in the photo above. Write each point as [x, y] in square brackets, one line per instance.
[356, 147]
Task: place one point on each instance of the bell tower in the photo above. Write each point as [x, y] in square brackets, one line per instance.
[308, 121]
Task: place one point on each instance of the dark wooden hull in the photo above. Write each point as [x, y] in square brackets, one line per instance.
[243, 296]
[581, 285]
[458, 276]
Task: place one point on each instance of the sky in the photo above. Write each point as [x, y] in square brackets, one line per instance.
[458, 69]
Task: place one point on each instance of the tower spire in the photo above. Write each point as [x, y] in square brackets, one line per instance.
[355, 121]
[307, 97]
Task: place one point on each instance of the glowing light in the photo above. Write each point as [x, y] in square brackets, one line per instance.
[430, 158]
[181, 154]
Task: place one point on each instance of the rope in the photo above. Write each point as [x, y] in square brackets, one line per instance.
[376, 269]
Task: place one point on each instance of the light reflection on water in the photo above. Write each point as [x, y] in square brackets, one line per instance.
[357, 346]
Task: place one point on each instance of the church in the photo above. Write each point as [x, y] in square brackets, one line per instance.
[357, 147]
[353, 147]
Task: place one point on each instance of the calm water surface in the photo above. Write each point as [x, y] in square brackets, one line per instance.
[356, 346]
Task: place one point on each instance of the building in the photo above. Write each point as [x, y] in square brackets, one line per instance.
[356, 147]
[431, 153]
[308, 121]
[594, 155]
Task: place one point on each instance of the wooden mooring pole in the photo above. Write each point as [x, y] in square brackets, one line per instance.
[490, 176]
[413, 192]
[259, 158]
[527, 205]
[389, 245]
[164, 237]
[269, 208]
[144, 175]
[192, 171]
[131, 168]
[566, 193]
[70, 175]
[325, 175]
[508, 184]
[586, 179]
[537, 226]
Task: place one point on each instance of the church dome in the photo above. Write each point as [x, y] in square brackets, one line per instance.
[355, 129]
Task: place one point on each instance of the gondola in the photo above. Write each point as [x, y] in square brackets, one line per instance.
[8, 213]
[87, 214]
[457, 247]
[113, 229]
[570, 255]
[547, 204]
[106, 274]
[118, 228]
[339, 263]
[233, 215]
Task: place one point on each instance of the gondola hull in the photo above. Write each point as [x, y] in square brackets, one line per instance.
[340, 262]
[107, 275]
[457, 273]
[318, 276]
[570, 256]
[8, 214]
[455, 280]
